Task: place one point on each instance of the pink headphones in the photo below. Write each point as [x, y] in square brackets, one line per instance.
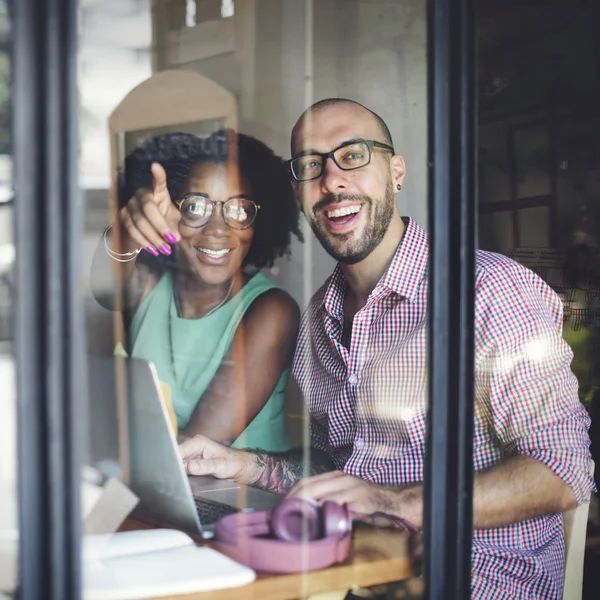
[299, 535]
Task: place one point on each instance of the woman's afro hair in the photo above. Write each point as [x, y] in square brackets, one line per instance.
[178, 153]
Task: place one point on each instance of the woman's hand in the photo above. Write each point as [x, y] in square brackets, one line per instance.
[150, 217]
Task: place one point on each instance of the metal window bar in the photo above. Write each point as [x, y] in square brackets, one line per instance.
[452, 220]
[49, 315]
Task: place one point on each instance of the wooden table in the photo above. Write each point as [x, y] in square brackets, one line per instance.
[377, 556]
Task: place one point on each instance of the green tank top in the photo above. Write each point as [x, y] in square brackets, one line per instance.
[188, 352]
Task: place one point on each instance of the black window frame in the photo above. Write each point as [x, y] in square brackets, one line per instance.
[452, 156]
[49, 324]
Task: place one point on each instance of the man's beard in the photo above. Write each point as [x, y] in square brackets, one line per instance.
[341, 246]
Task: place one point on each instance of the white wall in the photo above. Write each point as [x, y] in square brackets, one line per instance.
[373, 52]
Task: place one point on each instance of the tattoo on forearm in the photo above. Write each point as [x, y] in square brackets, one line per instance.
[279, 472]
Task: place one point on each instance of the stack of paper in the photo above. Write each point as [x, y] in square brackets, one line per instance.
[153, 563]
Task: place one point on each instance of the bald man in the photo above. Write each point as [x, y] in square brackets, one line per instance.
[361, 362]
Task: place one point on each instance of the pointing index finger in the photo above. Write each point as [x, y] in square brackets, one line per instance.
[159, 181]
[162, 200]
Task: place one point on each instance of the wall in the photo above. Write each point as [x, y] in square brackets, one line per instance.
[373, 52]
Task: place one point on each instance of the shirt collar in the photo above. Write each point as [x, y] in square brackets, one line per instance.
[335, 291]
[403, 276]
[409, 265]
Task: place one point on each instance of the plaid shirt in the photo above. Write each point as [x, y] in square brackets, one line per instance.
[368, 404]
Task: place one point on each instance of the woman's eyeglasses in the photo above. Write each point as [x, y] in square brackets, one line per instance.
[348, 156]
[197, 210]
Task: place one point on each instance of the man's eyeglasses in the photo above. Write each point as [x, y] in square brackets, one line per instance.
[197, 210]
[348, 156]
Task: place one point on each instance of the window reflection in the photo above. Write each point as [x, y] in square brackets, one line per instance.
[539, 166]
[539, 174]
[272, 59]
[538, 171]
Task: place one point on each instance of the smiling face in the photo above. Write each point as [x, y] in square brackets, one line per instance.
[215, 252]
[349, 210]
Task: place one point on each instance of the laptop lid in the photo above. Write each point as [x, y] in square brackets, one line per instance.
[150, 463]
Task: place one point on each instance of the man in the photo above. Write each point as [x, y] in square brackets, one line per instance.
[361, 364]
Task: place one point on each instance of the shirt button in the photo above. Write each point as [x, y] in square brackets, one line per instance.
[359, 443]
[353, 379]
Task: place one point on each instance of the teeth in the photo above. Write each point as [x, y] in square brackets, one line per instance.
[214, 253]
[342, 212]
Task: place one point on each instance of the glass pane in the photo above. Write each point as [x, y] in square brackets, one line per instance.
[496, 232]
[534, 226]
[494, 165]
[157, 68]
[533, 61]
[8, 405]
[159, 81]
[532, 161]
[577, 149]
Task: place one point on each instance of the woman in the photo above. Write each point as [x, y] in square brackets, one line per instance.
[195, 215]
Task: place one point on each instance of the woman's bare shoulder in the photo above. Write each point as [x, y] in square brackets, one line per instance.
[275, 312]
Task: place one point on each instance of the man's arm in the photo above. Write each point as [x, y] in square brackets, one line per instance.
[272, 472]
[528, 394]
[280, 472]
[517, 489]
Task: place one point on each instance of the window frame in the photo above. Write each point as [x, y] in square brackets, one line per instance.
[452, 113]
[49, 325]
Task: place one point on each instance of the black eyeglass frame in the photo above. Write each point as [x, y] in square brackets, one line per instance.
[179, 202]
[325, 155]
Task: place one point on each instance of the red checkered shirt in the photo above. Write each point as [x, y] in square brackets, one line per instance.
[367, 404]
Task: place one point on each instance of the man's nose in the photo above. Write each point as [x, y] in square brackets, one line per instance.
[333, 178]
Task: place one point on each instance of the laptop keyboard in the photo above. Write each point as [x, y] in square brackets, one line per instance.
[210, 512]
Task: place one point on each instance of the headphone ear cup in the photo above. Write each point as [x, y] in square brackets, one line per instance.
[297, 519]
[336, 519]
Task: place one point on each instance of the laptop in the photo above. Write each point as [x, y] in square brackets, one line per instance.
[168, 496]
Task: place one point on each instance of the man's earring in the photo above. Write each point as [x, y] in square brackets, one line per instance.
[398, 187]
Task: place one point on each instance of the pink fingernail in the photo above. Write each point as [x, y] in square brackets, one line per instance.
[166, 249]
[152, 250]
[171, 238]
